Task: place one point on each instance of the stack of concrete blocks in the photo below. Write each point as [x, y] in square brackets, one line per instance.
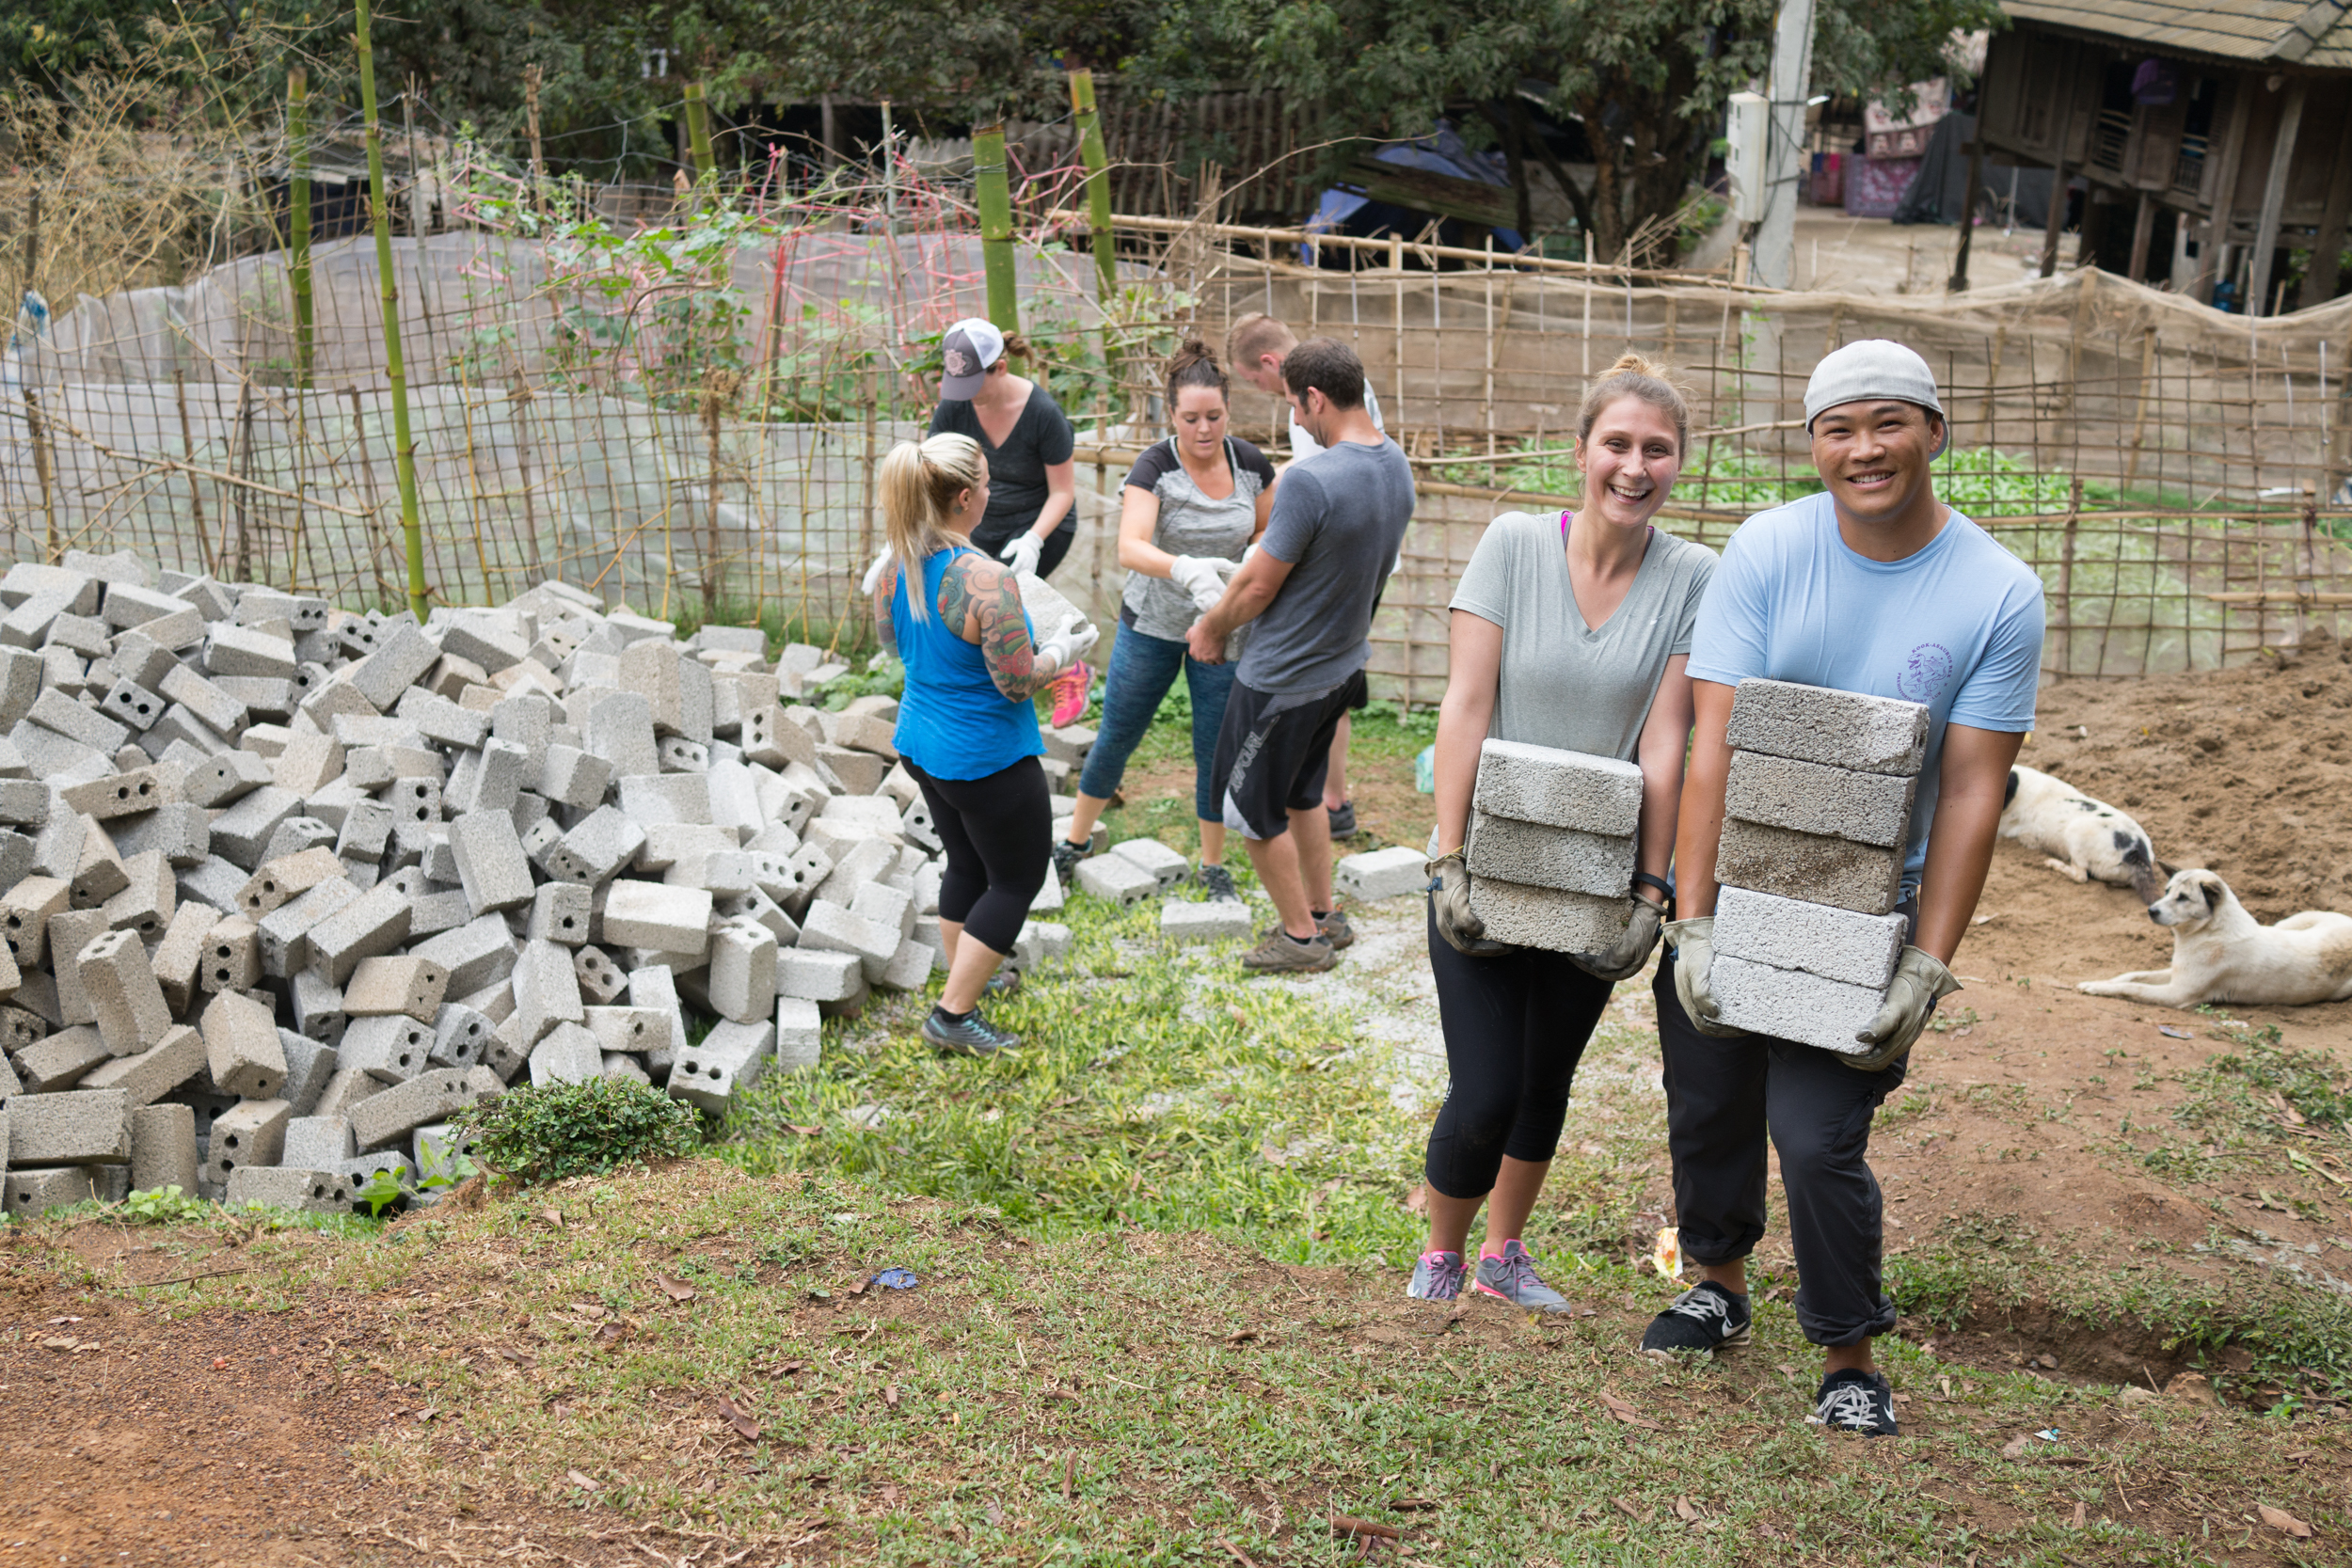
[1817, 813]
[1551, 843]
[283, 888]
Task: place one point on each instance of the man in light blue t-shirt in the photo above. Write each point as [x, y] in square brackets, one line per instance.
[1875, 586]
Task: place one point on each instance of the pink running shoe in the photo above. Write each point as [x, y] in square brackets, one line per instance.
[1070, 689]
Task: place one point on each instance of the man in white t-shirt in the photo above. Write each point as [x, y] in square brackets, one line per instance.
[1255, 348]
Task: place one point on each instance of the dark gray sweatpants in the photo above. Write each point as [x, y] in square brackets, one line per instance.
[1723, 1096]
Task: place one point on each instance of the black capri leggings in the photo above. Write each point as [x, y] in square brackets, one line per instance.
[1516, 1025]
[998, 835]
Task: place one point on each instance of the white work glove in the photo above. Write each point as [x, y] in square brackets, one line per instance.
[1199, 576]
[1921, 982]
[872, 579]
[1022, 552]
[1693, 943]
[1068, 645]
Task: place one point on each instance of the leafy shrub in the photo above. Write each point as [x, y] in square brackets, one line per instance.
[548, 1131]
[164, 1206]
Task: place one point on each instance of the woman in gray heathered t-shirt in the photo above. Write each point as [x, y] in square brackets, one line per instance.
[1571, 630]
[1192, 504]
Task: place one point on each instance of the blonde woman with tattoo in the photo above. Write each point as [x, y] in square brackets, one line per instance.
[967, 728]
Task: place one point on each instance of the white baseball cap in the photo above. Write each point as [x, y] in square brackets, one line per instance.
[1873, 368]
[970, 347]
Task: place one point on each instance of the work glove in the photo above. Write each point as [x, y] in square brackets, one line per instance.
[1919, 983]
[1694, 955]
[1068, 645]
[1022, 552]
[1625, 958]
[872, 579]
[1449, 905]
[1197, 576]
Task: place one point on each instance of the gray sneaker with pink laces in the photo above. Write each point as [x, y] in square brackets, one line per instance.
[1439, 1276]
[1511, 1277]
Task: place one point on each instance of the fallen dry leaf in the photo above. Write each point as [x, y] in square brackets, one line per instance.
[1411, 1505]
[585, 1483]
[1624, 1411]
[732, 1413]
[2017, 1446]
[2279, 1519]
[553, 1216]
[1274, 1156]
[676, 1289]
[890, 1396]
[1348, 1528]
[1625, 1506]
[610, 1335]
[1685, 1510]
[1241, 1336]
[804, 1132]
[1237, 1015]
[1418, 1203]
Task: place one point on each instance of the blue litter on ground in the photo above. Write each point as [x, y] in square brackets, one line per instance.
[896, 1279]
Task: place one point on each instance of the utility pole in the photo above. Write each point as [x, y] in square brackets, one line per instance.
[1790, 85]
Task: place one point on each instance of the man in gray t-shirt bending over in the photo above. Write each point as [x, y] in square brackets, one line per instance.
[1338, 520]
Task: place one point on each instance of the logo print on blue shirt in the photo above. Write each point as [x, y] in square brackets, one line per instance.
[1925, 673]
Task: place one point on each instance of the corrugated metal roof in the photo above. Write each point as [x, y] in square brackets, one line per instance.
[2312, 32]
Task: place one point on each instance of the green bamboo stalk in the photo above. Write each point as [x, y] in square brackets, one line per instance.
[379, 216]
[995, 195]
[1097, 160]
[698, 133]
[298, 240]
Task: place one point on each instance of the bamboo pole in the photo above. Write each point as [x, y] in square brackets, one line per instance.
[298, 238]
[995, 203]
[1098, 188]
[379, 216]
[698, 134]
[532, 74]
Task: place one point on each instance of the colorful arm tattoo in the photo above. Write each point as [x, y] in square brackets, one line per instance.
[887, 633]
[987, 591]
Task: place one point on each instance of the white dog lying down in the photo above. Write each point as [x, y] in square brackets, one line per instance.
[2083, 837]
[2221, 953]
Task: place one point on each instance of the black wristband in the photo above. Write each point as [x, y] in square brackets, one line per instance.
[1643, 878]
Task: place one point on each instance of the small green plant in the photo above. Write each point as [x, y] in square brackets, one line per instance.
[544, 1133]
[379, 1192]
[163, 1206]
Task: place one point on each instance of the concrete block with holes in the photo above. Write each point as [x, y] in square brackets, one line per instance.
[731, 1057]
[383, 1121]
[560, 912]
[547, 992]
[122, 992]
[600, 979]
[253, 1132]
[461, 1035]
[125, 794]
[154, 1072]
[742, 981]
[292, 1186]
[1115, 878]
[368, 926]
[390, 984]
[240, 1047]
[233, 957]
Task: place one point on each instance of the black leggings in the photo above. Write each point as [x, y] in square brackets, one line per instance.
[998, 835]
[1516, 1025]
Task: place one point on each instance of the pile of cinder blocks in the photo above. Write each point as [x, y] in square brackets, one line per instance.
[1817, 814]
[283, 887]
[1551, 842]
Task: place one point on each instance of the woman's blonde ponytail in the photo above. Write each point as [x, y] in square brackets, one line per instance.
[920, 485]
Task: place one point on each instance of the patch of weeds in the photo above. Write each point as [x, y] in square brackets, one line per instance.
[2309, 1081]
[1915, 1102]
[164, 1206]
[1152, 1089]
[544, 1133]
[1962, 1019]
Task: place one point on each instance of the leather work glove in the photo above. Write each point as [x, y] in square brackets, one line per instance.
[1919, 983]
[872, 579]
[1694, 942]
[1022, 552]
[1065, 646]
[1624, 959]
[1197, 576]
[1449, 903]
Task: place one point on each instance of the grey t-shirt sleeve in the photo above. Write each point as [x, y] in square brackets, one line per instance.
[1299, 506]
[1484, 590]
[1702, 572]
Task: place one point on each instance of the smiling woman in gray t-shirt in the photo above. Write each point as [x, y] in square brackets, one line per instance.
[1571, 630]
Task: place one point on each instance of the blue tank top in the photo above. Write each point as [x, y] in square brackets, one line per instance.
[953, 723]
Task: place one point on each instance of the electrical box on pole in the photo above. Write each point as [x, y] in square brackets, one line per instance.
[1748, 129]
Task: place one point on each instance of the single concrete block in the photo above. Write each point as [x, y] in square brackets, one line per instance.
[1216, 920]
[1809, 867]
[476, 954]
[653, 989]
[69, 933]
[1790, 1004]
[399, 662]
[310, 1067]
[28, 1193]
[743, 971]
[60, 714]
[370, 924]
[345, 1088]
[226, 779]
[908, 968]
[240, 1047]
[153, 1073]
[59, 1061]
[567, 1053]
[100, 874]
[217, 710]
[25, 914]
[318, 1007]
[732, 1056]
[163, 1149]
[179, 956]
[597, 848]
[253, 1132]
[573, 776]
[547, 992]
[181, 832]
[1117, 879]
[1549, 918]
[1165, 865]
[633, 1031]
[491, 866]
[1389, 873]
[123, 795]
[286, 930]
[620, 730]
[240, 832]
[307, 763]
[831, 928]
[317, 1143]
[800, 1035]
[460, 1036]
[650, 914]
[1508, 849]
[392, 1047]
[885, 906]
[129, 702]
[1839, 729]
[122, 992]
[820, 976]
[280, 881]
[291, 1186]
[384, 1120]
[560, 912]
[661, 798]
[1812, 798]
[1818, 939]
[233, 957]
[383, 986]
[1561, 789]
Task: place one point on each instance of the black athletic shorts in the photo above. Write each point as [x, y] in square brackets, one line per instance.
[1272, 754]
[1359, 691]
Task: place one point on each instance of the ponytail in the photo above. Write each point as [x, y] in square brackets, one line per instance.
[919, 485]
